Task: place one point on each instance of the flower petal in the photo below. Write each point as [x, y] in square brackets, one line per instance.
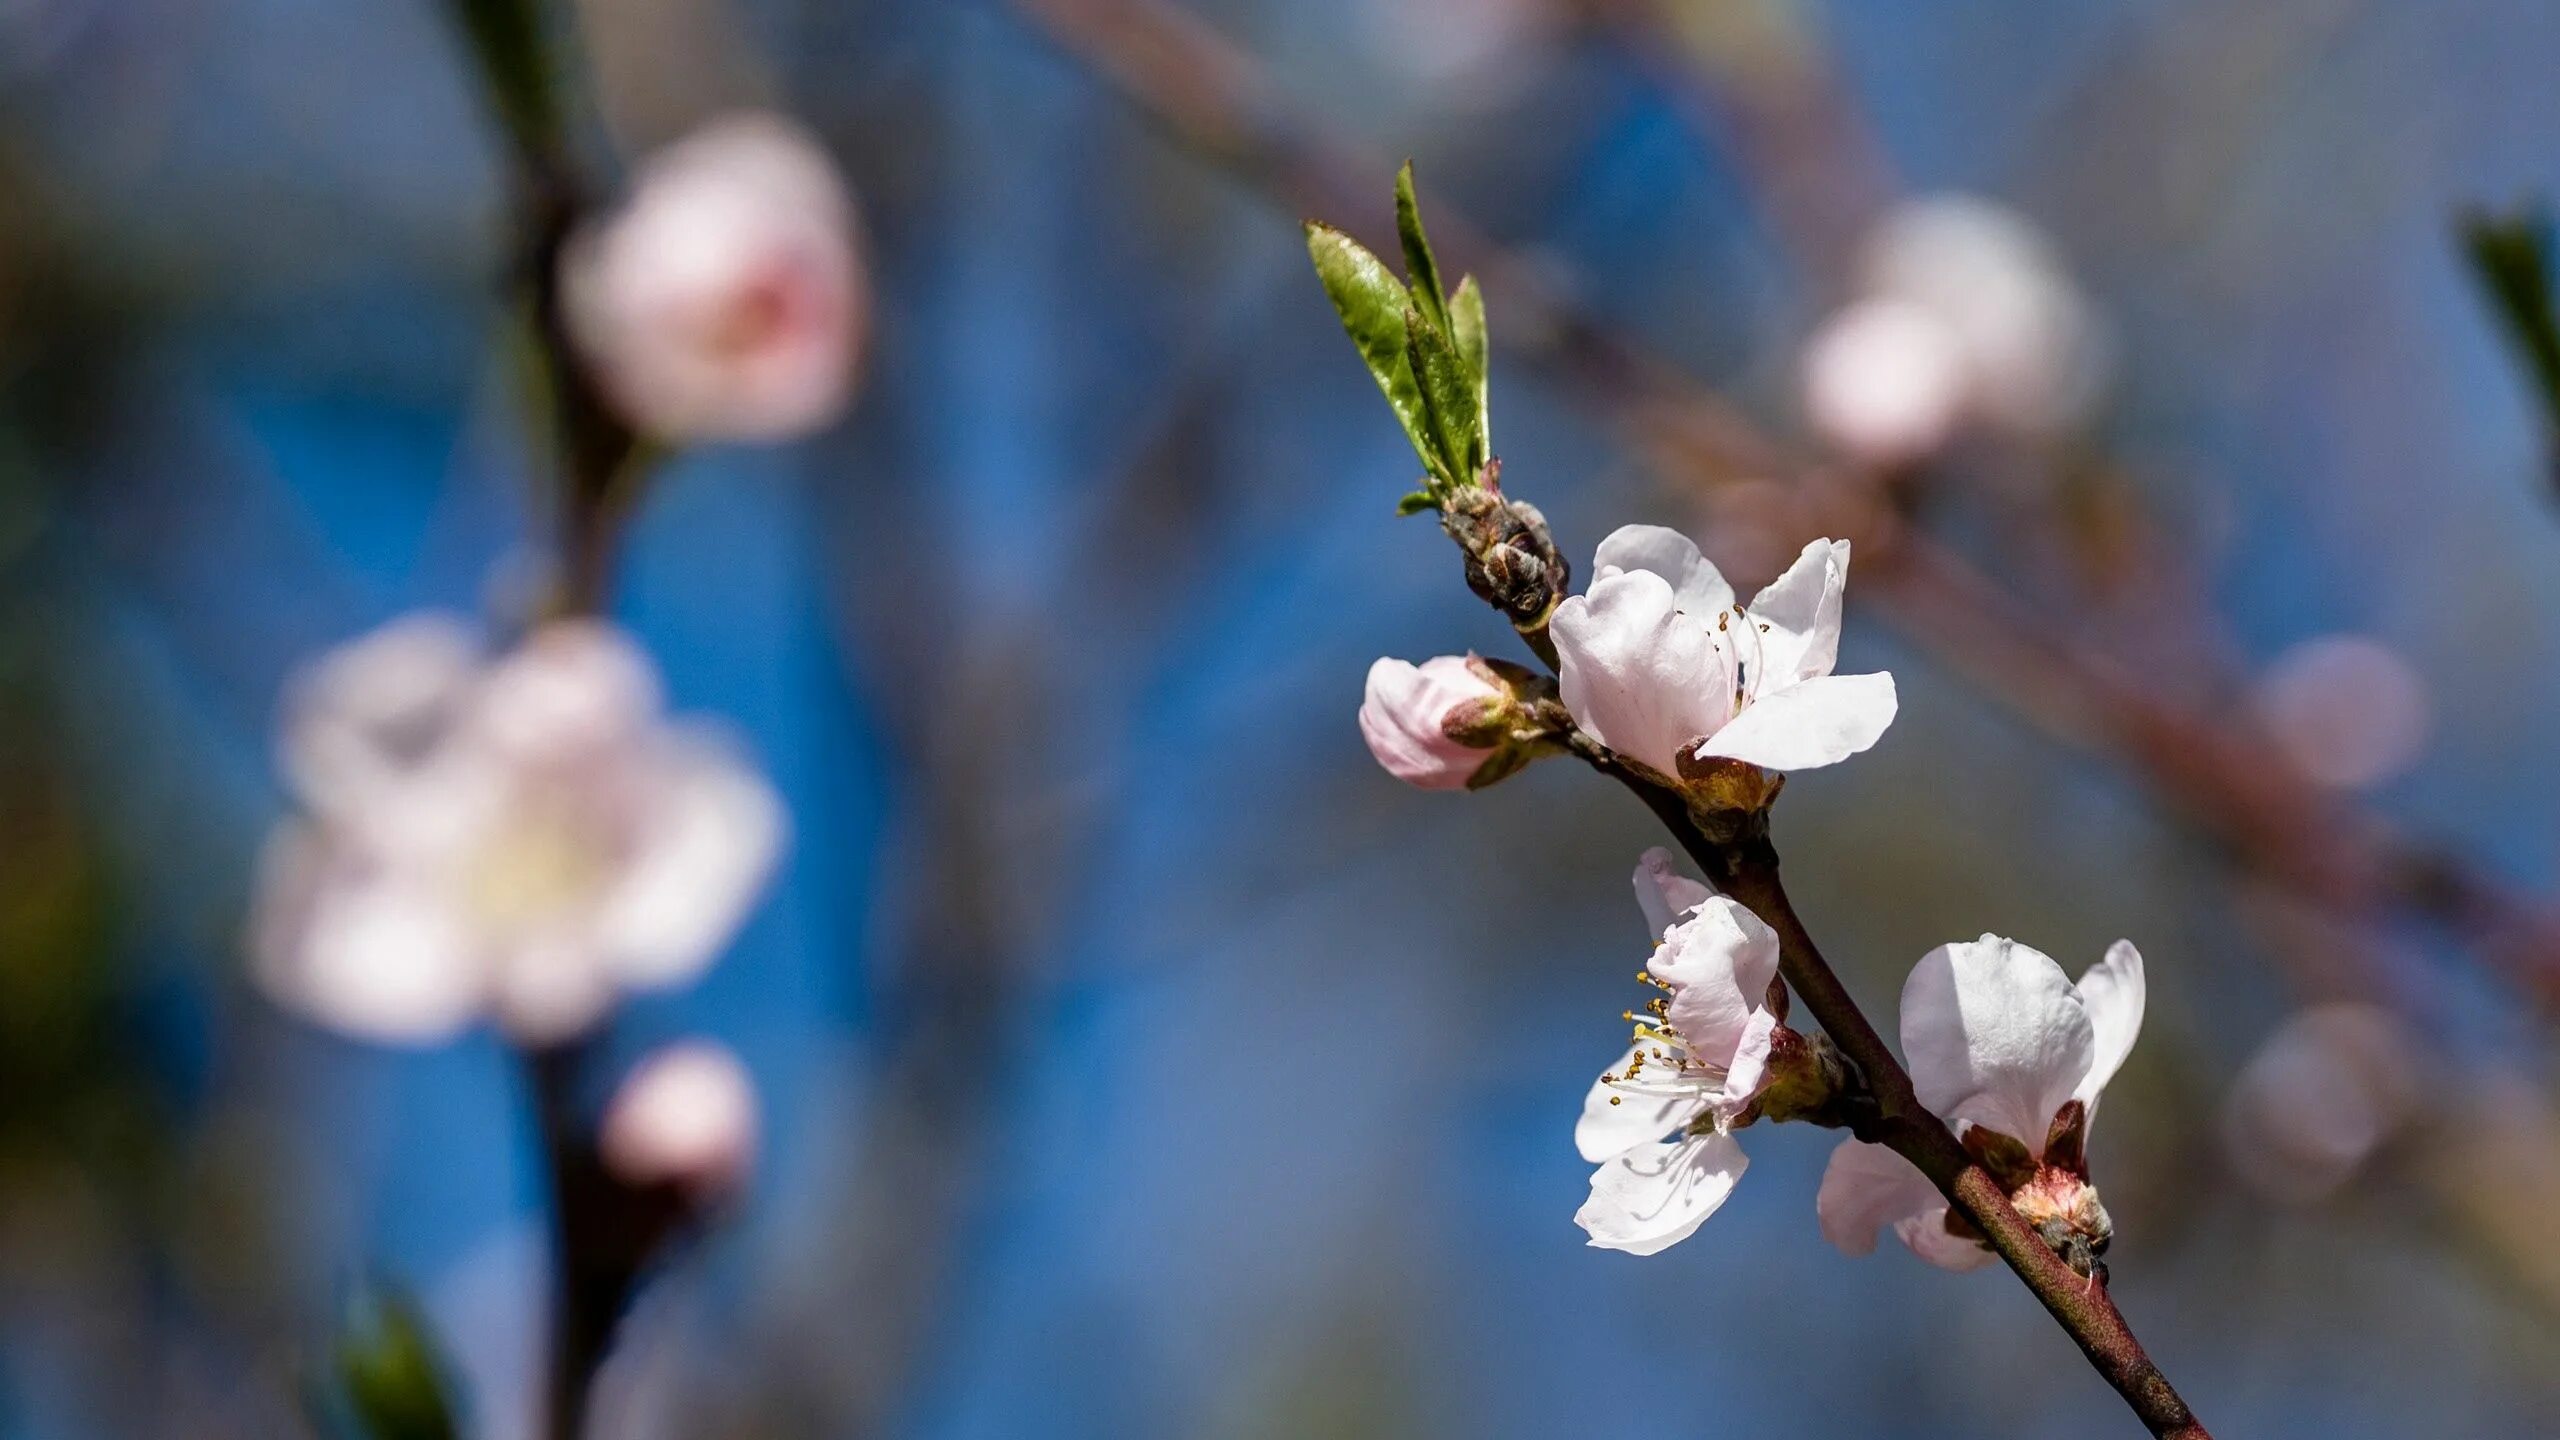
[1817, 722]
[1653, 1197]
[1718, 962]
[699, 858]
[1747, 1073]
[1608, 1130]
[1866, 1187]
[360, 946]
[1666, 895]
[2112, 995]
[1401, 711]
[1695, 582]
[1996, 1036]
[1640, 676]
[1798, 617]
[1927, 1236]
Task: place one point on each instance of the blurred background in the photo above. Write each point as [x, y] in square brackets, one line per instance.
[1137, 1059]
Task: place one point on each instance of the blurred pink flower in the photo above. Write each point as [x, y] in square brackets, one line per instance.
[2350, 711]
[686, 1117]
[1655, 659]
[726, 299]
[1997, 1038]
[522, 839]
[1404, 718]
[1659, 1123]
[1885, 380]
[2323, 1093]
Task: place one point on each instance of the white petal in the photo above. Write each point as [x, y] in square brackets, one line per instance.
[1606, 1131]
[1926, 1234]
[1655, 1196]
[1818, 722]
[2112, 995]
[571, 689]
[1699, 587]
[1995, 1035]
[368, 721]
[1747, 1072]
[361, 947]
[706, 845]
[1718, 962]
[1798, 617]
[1638, 675]
[1866, 1187]
[1666, 895]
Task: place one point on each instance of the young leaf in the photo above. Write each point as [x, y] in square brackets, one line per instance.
[1448, 395]
[2511, 257]
[1466, 327]
[1415, 502]
[1372, 305]
[392, 1378]
[1428, 294]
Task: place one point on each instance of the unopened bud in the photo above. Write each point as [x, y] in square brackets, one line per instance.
[1455, 722]
[686, 1119]
[1512, 561]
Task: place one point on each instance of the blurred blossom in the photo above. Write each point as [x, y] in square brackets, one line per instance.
[2348, 710]
[1884, 380]
[1659, 1123]
[1999, 1040]
[2026, 347]
[523, 838]
[726, 300]
[1656, 661]
[2320, 1096]
[685, 1117]
[1405, 717]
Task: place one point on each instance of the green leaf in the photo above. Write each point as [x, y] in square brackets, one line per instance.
[2511, 258]
[1466, 327]
[1448, 396]
[509, 40]
[1429, 296]
[393, 1380]
[1372, 304]
[1417, 502]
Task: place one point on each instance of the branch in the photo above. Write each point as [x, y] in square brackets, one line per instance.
[2215, 772]
[1746, 868]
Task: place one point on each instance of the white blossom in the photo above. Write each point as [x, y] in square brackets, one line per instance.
[1998, 1038]
[1659, 1123]
[523, 839]
[1656, 660]
[726, 299]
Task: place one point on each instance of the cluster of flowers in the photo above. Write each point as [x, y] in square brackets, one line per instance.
[1658, 663]
[526, 837]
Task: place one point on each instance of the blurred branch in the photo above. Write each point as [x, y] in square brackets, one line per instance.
[2209, 765]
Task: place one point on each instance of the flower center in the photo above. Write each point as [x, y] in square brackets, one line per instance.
[542, 863]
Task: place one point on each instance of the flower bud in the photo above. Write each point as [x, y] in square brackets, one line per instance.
[1885, 381]
[1512, 561]
[1434, 724]
[726, 300]
[685, 1119]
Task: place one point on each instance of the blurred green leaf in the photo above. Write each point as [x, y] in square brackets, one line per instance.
[394, 1382]
[510, 41]
[1466, 327]
[1372, 304]
[1415, 502]
[2510, 256]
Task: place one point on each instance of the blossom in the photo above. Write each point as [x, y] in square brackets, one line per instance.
[1659, 1123]
[726, 299]
[685, 1117]
[1962, 312]
[2000, 1042]
[1406, 716]
[2319, 1098]
[523, 839]
[1656, 661]
[2350, 712]
[1885, 380]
